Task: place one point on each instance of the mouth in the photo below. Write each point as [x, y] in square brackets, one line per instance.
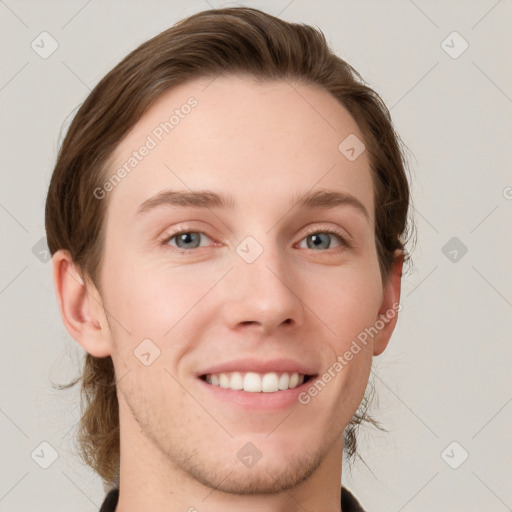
[256, 385]
[253, 382]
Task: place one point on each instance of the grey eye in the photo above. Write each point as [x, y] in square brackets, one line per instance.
[321, 240]
[187, 240]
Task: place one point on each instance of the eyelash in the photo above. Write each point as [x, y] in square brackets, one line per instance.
[311, 231]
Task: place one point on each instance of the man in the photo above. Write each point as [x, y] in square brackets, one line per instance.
[226, 232]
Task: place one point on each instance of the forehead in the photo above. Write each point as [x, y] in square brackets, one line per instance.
[251, 140]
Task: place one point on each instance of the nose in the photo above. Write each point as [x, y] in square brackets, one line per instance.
[263, 295]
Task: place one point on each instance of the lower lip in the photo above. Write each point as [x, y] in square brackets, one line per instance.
[262, 401]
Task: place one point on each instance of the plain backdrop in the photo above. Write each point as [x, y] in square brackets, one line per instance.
[443, 385]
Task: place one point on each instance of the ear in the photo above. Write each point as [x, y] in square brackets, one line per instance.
[388, 313]
[81, 306]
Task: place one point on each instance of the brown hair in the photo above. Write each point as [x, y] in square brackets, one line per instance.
[230, 41]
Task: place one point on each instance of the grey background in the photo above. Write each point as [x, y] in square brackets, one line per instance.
[445, 376]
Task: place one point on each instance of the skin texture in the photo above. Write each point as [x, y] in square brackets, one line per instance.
[263, 144]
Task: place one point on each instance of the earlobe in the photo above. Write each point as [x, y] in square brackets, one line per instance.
[80, 306]
[388, 313]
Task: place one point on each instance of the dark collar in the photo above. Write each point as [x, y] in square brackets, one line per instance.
[348, 502]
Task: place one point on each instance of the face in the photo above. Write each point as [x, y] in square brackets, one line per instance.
[202, 295]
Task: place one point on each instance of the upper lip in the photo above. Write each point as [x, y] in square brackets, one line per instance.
[281, 365]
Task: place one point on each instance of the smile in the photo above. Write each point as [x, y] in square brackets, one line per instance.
[253, 382]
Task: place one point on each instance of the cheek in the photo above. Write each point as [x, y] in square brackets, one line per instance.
[157, 302]
[146, 299]
[349, 300]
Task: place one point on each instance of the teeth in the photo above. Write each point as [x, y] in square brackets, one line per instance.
[284, 380]
[252, 382]
[236, 381]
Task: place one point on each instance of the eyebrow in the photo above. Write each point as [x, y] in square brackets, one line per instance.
[210, 199]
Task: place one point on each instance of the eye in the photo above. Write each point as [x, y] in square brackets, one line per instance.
[315, 240]
[185, 240]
